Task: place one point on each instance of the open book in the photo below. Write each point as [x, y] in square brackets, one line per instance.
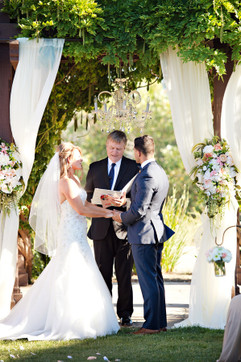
[100, 193]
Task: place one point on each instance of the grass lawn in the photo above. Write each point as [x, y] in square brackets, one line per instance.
[182, 344]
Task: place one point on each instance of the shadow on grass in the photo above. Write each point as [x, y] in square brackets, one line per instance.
[182, 344]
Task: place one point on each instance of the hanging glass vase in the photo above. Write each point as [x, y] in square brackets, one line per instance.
[219, 268]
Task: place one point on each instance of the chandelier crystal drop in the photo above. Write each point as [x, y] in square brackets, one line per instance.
[119, 109]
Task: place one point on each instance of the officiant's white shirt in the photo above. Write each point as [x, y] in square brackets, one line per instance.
[116, 170]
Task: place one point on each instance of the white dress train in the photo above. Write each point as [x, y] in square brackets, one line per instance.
[70, 299]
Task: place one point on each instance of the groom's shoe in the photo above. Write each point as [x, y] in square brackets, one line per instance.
[126, 321]
[147, 331]
[164, 329]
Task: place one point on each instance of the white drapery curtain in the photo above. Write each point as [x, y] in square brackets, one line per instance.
[33, 81]
[231, 116]
[189, 95]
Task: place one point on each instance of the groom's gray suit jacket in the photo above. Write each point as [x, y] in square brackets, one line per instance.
[144, 217]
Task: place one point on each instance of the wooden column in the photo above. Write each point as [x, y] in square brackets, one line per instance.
[7, 31]
[219, 87]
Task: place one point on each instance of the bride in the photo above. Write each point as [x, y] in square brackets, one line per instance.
[70, 299]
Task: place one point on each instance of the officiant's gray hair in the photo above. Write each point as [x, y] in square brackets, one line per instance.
[117, 136]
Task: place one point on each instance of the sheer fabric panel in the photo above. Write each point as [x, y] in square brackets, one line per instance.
[33, 81]
[189, 95]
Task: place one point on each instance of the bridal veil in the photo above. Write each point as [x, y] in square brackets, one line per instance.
[45, 209]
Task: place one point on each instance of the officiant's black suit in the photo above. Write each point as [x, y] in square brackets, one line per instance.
[107, 246]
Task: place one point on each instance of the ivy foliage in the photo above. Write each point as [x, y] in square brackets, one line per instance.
[135, 31]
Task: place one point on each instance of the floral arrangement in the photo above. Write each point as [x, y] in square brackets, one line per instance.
[215, 174]
[219, 256]
[219, 253]
[11, 180]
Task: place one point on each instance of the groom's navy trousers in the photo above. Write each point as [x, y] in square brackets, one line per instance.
[151, 283]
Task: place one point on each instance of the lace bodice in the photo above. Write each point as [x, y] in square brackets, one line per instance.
[72, 226]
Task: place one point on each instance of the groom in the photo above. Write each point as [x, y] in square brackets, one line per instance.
[147, 233]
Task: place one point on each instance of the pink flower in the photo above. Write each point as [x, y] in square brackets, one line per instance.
[223, 158]
[219, 162]
[217, 147]
[206, 156]
[207, 182]
[213, 173]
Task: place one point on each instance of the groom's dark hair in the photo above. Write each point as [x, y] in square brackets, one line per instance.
[145, 144]
[117, 136]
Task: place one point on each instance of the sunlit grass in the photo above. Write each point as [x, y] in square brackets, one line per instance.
[186, 344]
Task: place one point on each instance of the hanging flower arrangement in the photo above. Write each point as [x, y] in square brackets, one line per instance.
[215, 174]
[219, 256]
[11, 180]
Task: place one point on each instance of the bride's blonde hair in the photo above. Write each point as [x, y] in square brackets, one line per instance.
[66, 150]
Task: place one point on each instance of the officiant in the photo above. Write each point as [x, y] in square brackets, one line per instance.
[111, 246]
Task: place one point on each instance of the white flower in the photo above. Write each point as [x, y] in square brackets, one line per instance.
[16, 156]
[200, 177]
[14, 182]
[10, 176]
[4, 159]
[215, 165]
[208, 149]
[5, 189]
[199, 162]
[19, 173]
[219, 253]
[232, 172]
[229, 159]
[206, 175]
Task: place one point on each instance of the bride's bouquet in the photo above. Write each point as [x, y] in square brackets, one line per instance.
[215, 174]
[11, 180]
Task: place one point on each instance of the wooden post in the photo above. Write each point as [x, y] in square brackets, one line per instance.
[7, 32]
[219, 87]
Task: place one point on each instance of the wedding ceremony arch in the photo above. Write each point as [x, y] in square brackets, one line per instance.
[187, 83]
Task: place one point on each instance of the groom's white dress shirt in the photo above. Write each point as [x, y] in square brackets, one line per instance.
[147, 161]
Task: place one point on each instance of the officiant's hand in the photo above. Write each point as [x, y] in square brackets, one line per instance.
[117, 216]
[118, 201]
[105, 201]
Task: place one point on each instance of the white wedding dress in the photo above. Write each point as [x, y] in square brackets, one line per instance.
[70, 299]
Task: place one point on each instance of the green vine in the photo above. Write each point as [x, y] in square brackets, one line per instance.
[135, 31]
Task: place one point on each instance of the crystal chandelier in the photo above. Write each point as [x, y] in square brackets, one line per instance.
[118, 109]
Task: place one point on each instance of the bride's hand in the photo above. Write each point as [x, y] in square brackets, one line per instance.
[108, 214]
[117, 216]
